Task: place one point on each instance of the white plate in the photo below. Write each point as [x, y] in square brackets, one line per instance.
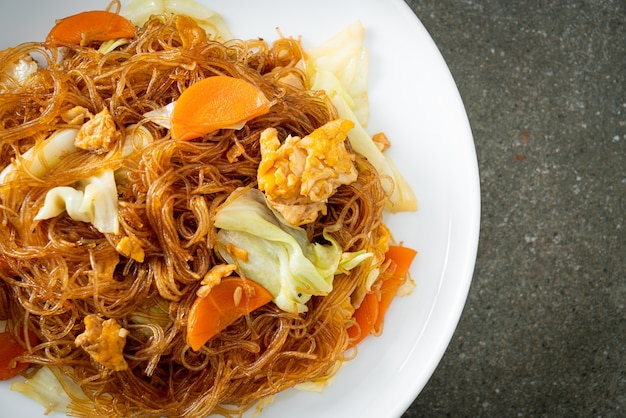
[415, 101]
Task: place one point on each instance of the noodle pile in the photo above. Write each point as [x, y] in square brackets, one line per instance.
[61, 270]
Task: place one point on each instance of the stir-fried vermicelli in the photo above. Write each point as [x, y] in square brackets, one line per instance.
[138, 272]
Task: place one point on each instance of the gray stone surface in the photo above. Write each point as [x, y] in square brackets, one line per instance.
[543, 333]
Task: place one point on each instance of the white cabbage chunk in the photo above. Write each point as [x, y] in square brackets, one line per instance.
[42, 157]
[139, 11]
[279, 256]
[344, 56]
[92, 200]
[339, 67]
[136, 139]
[20, 71]
[51, 388]
[402, 197]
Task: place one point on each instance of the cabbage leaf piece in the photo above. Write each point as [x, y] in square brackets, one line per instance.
[339, 67]
[45, 155]
[139, 11]
[279, 257]
[93, 200]
[53, 389]
[344, 56]
[18, 73]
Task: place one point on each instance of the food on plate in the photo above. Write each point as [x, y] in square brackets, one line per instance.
[190, 222]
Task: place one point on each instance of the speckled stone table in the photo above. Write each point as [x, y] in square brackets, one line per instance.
[543, 332]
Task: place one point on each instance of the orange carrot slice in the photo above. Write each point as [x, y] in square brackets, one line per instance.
[365, 316]
[371, 313]
[402, 257]
[227, 301]
[10, 349]
[94, 25]
[215, 103]
[388, 290]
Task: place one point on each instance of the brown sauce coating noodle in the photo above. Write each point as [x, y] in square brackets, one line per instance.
[63, 270]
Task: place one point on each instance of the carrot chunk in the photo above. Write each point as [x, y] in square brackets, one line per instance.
[370, 315]
[227, 301]
[365, 316]
[10, 349]
[215, 103]
[94, 25]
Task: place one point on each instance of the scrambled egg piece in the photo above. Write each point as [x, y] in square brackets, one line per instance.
[98, 134]
[76, 115]
[214, 277]
[191, 34]
[300, 175]
[130, 246]
[104, 341]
